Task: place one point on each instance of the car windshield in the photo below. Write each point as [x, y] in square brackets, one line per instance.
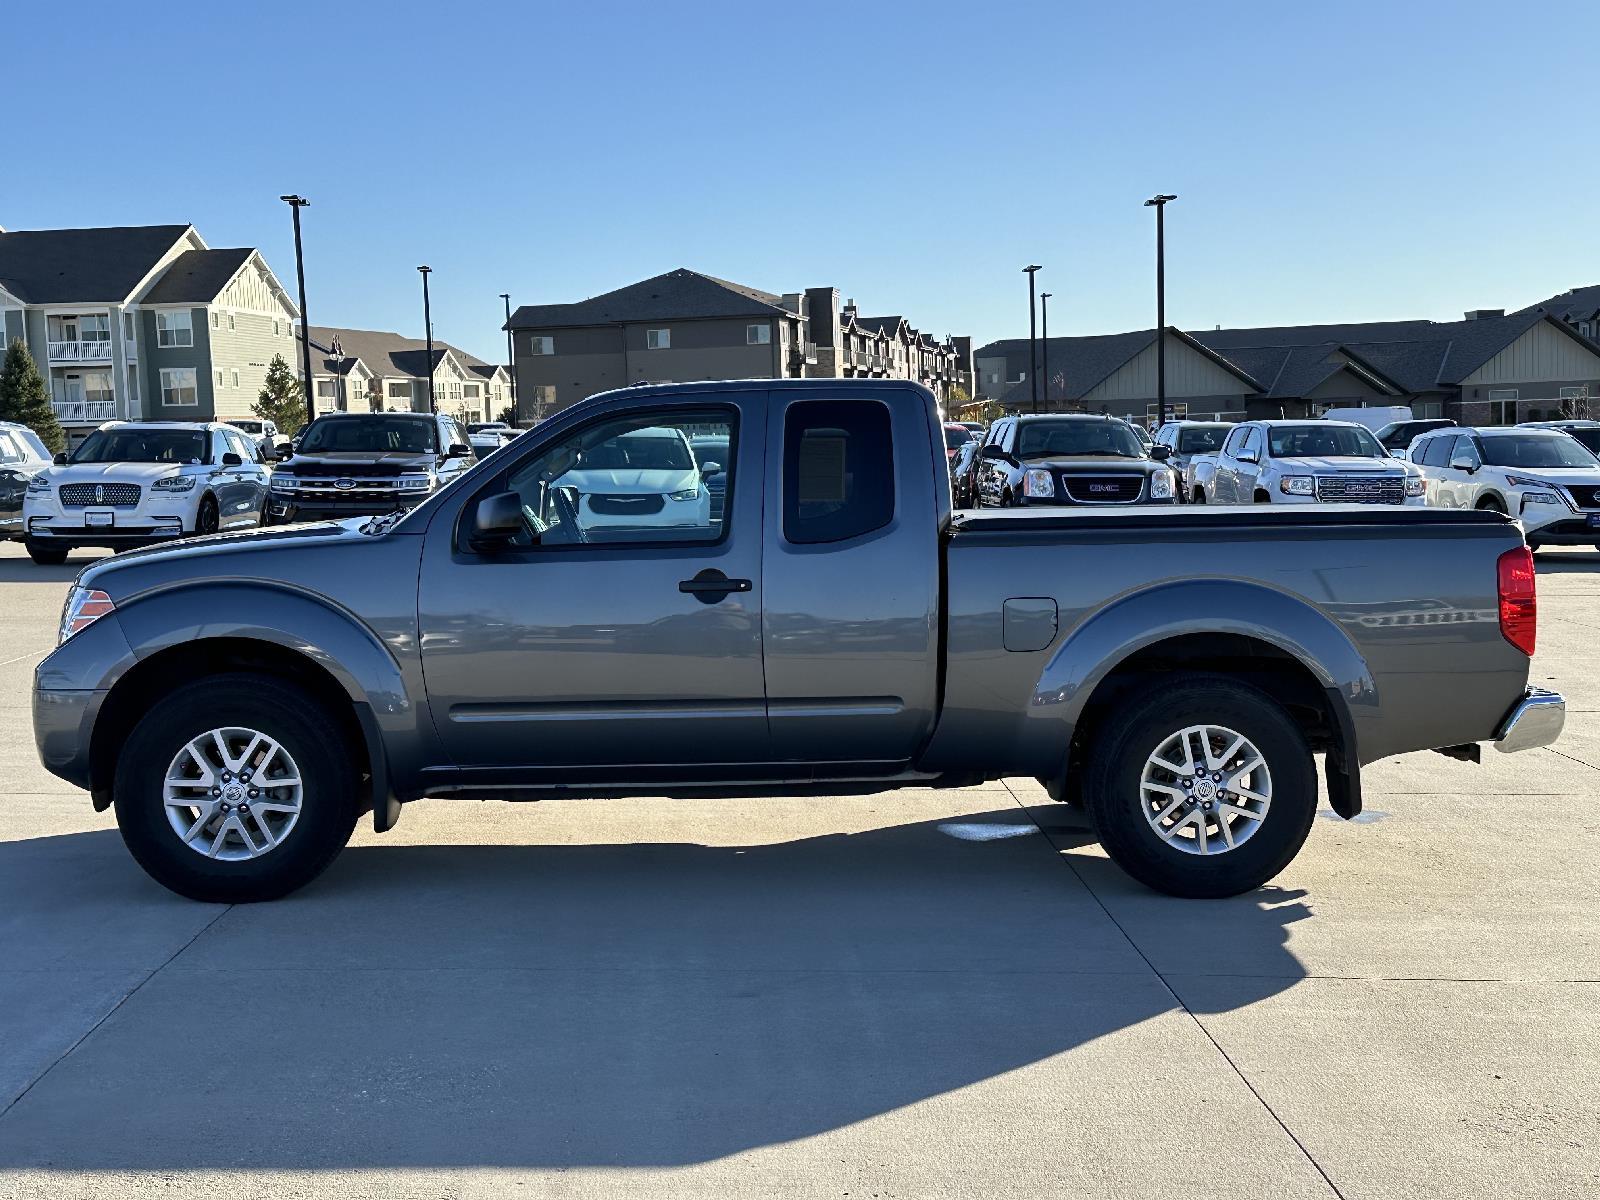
[956, 435]
[247, 426]
[31, 439]
[644, 450]
[1588, 436]
[1202, 440]
[1323, 441]
[1043, 439]
[370, 435]
[135, 444]
[1536, 450]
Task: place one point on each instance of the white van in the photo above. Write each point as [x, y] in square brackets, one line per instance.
[1373, 418]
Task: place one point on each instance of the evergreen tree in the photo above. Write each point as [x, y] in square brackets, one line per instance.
[282, 400]
[24, 398]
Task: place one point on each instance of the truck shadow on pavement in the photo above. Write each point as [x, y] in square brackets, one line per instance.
[631, 1004]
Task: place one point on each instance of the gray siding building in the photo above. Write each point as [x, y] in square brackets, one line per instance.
[142, 321]
[685, 326]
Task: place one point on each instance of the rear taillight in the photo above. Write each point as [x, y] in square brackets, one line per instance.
[1519, 607]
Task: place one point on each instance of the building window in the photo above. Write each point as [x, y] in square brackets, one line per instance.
[657, 339]
[230, 322]
[470, 391]
[97, 387]
[541, 345]
[399, 389]
[1503, 406]
[325, 390]
[235, 375]
[216, 320]
[757, 335]
[219, 377]
[174, 329]
[1575, 393]
[179, 386]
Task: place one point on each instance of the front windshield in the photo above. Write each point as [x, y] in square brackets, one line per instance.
[1202, 440]
[377, 434]
[646, 450]
[1051, 439]
[1530, 450]
[31, 439]
[134, 444]
[247, 426]
[956, 435]
[1323, 441]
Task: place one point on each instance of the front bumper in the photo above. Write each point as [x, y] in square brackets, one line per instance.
[1565, 531]
[122, 537]
[285, 508]
[1535, 721]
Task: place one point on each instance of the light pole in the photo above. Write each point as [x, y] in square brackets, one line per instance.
[427, 323]
[1044, 343]
[1159, 203]
[296, 203]
[1033, 336]
[511, 362]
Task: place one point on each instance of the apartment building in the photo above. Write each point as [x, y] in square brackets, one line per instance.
[684, 326]
[365, 370]
[143, 321]
[1486, 369]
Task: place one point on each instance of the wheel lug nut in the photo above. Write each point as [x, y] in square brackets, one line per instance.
[253, 793]
[216, 791]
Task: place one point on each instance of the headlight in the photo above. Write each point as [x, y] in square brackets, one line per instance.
[1416, 486]
[1540, 498]
[84, 607]
[173, 483]
[1161, 485]
[1037, 481]
[1298, 485]
[38, 485]
[414, 483]
[283, 483]
[686, 494]
[1522, 481]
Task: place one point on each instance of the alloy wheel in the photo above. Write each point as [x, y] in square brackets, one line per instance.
[232, 794]
[1205, 790]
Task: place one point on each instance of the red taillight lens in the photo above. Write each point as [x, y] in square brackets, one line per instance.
[1519, 606]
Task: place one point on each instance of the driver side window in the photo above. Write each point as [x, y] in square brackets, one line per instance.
[645, 479]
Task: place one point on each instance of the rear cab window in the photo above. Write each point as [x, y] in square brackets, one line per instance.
[838, 470]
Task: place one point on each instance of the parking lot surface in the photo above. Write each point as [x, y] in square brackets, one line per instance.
[914, 994]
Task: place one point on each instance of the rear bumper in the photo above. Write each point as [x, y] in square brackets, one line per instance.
[1536, 720]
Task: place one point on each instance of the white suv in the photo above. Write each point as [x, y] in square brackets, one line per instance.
[130, 483]
[1546, 479]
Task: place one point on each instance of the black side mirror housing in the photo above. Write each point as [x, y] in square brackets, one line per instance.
[1161, 453]
[60, 459]
[230, 459]
[283, 450]
[459, 450]
[497, 521]
[993, 451]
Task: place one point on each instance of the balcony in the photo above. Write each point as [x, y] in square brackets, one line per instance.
[84, 410]
[80, 351]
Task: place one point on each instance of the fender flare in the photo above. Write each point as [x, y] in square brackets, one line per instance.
[277, 614]
[1134, 622]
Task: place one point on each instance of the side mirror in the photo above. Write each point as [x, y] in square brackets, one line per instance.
[1249, 456]
[994, 452]
[497, 521]
[1463, 462]
[459, 450]
[710, 468]
[230, 459]
[283, 450]
[60, 459]
[1161, 453]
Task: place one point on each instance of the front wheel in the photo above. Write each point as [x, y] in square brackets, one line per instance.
[207, 519]
[234, 789]
[46, 556]
[1204, 789]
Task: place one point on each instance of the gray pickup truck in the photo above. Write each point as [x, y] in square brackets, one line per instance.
[573, 617]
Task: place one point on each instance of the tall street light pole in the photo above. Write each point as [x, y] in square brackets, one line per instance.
[296, 203]
[1159, 203]
[427, 323]
[1044, 343]
[1033, 336]
[511, 362]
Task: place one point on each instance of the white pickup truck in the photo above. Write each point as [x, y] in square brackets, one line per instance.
[1302, 462]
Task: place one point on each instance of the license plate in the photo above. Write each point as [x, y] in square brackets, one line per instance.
[1594, 520]
[99, 519]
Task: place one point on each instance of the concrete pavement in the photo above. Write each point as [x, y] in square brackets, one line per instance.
[922, 993]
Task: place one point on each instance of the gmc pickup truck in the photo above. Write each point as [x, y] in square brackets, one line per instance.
[831, 627]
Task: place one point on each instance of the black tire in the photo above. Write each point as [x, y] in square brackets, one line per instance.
[284, 712]
[1199, 496]
[46, 556]
[206, 518]
[1262, 497]
[1490, 504]
[1116, 763]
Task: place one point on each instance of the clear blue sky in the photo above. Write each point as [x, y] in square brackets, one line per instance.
[1333, 162]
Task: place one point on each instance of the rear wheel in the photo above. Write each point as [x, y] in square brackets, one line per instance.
[46, 556]
[235, 789]
[1204, 789]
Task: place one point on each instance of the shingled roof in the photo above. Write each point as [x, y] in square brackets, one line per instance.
[386, 353]
[1575, 304]
[678, 295]
[197, 276]
[66, 266]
